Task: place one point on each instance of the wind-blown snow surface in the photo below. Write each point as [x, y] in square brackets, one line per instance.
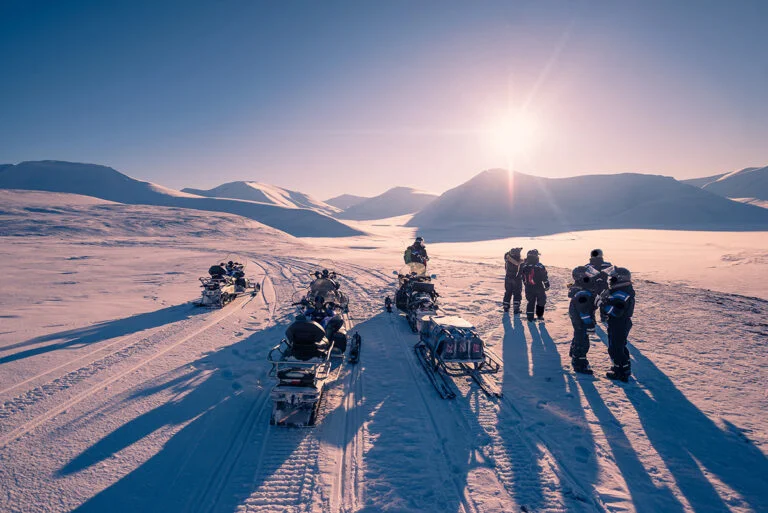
[106, 183]
[265, 193]
[117, 395]
[497, 204]
[394, 202]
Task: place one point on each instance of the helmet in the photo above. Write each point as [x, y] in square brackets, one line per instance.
[325, 273]
[580, 275]
[419, 240]
[596, 253]
[319, 300]
[515, 251]
[230, 262]
[532, 256]
[620, 275]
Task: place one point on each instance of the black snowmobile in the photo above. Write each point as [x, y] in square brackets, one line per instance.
[301, 363]
[416, 295]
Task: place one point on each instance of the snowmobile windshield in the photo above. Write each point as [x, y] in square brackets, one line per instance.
[324, 288]
[414, 268]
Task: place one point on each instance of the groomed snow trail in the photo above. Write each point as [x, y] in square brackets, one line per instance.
[175, 416]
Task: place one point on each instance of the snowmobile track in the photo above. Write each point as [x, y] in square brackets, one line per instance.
[41, 419]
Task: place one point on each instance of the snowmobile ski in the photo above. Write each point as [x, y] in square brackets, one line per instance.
[438, 379]
[354, 349]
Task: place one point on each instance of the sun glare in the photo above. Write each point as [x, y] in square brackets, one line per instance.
[514, 137]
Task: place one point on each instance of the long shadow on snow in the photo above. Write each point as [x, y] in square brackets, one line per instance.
[212, 409]
[690, 443]
[103, 331]
[405, 467]
[546, 392]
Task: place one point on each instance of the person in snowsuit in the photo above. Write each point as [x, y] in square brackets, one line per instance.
[416, 253]
[598, 268]
[513, 281]
[536, 285]
[618, 305]
[581, 312]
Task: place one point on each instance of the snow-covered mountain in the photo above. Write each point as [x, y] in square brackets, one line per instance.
[106, 183]
[498, 204]
[265, 193]
[394, 202]
[345, 201]
[751, 182]
[701, 182]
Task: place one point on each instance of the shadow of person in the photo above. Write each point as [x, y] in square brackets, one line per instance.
[645, 495]
[103, 331]
[692, 445]
[543, 400]
[215, 413]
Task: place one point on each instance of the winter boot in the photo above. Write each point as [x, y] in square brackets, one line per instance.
[540, 312]
[619, 372]
[581, 365]
[516, 307]
[530, 316]
[506, 307]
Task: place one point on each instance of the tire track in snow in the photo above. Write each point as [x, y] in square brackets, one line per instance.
[90, 370]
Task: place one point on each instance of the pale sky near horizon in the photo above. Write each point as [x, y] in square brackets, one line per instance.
[331, 97]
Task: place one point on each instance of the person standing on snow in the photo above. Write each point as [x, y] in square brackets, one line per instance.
[618, 305]
[513, 281]
[598, 268]
[416, 253]
[581, 312]
[536, 285]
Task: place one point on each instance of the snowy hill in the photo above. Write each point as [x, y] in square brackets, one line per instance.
[265, 193]
[37, 213]
[106, 183]
[495, 204]
[751, 182]
[701, 182]
[345, 201]
[395, 202]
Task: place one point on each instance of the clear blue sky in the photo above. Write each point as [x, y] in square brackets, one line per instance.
[330, 97]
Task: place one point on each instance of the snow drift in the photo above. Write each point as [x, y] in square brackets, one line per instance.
[344, 201]
[106, 183]
[265, 193]
[395, 202]
[496, 204]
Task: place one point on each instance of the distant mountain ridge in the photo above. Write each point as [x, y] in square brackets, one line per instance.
[106, 183]
[497, 204]
[751, 182]
[265, 193]
[345, 201]
[394, 202]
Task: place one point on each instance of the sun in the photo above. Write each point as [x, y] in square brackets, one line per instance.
[514, 136]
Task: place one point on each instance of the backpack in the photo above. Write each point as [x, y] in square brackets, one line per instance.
[408, 256]
[530, 275]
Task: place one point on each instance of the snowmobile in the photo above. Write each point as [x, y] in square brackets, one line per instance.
[326, 304]
[449, 346]
[224, 283]
[416, 295]
[301, 363]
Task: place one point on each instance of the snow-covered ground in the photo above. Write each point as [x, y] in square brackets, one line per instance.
[116, 394]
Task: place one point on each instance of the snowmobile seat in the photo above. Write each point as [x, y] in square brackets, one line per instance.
[217, 272]
[307, 340]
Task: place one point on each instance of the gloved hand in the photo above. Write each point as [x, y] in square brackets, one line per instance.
[546, 284]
